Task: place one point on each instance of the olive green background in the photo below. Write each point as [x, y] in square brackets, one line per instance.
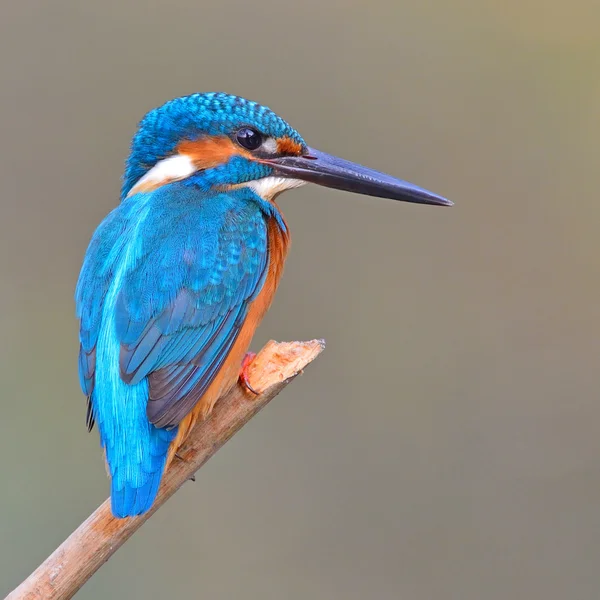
[447, 443]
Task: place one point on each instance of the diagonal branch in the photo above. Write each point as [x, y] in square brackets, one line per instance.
[66, 570]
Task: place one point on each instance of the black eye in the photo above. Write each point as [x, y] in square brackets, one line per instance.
[249, 138]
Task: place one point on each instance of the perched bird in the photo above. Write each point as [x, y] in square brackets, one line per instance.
[177, 278]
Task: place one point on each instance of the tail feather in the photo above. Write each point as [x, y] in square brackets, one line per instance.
[135, 483]
[130, 501]
[136, 451]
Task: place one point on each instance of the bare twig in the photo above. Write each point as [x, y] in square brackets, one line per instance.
[63, 573]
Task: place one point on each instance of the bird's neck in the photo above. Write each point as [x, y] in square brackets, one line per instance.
[272, 212]
[279, 234]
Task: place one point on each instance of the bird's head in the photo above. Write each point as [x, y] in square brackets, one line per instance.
[220, 141]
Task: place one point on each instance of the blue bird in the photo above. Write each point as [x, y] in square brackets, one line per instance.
[178, 276]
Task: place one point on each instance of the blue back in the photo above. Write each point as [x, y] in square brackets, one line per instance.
[164, 290]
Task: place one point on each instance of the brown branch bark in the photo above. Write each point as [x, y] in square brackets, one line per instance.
[65, 571]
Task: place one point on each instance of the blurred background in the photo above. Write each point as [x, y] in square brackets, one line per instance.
[447, 443]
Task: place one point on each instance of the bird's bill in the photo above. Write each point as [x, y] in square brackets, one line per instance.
[324, 169]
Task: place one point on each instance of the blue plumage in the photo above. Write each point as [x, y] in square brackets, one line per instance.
[163, 292]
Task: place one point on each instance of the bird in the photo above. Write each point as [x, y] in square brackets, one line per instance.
[178, 276]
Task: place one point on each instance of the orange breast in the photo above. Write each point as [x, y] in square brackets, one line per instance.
[227, 377]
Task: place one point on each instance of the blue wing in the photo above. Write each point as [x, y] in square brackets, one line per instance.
[199, 262]
[97, 272]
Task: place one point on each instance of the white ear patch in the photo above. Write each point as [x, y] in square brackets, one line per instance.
[269, 187]
[164, 171]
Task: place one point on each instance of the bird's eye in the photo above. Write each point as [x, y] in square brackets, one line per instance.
[249, 138]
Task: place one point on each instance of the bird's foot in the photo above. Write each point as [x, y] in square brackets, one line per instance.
[179, 457]
[244, 379]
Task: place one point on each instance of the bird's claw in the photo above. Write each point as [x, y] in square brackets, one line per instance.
[191, 477]
[244, 379]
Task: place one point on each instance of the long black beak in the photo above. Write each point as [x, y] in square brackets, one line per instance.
[324, 169]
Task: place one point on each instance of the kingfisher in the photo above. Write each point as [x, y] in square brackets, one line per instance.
[177, 278]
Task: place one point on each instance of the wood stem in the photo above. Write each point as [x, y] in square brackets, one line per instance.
[66, 570]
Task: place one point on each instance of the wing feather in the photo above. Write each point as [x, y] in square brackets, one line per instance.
[181, 308]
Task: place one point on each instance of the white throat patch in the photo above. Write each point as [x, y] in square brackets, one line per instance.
[270, 187]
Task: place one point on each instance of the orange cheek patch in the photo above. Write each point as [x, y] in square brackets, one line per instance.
[286, 145]
[210, 152]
